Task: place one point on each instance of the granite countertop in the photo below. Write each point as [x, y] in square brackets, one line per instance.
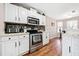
[14, 34]
[74, 34]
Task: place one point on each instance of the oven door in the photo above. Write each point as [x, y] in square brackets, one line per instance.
[36, 38]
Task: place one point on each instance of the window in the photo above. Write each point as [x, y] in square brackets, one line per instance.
[72, 24]
[59, 26]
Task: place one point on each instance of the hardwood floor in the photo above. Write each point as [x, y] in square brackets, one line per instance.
[51, 49]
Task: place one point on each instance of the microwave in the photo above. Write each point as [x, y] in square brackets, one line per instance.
[32, 21]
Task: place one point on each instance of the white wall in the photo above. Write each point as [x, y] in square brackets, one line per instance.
[2, 18]
[51, 28]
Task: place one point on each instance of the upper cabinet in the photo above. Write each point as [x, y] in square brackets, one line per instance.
[32, 13]
[18, 14]
[15, 14]
[22, 15]
[42, 20]
[11, 13]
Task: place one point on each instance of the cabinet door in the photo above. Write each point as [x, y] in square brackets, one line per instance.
[22, 15]
[45, 38]
[42, 19]
[23, 44]
[75, 46]
[11, 13]
[66, 45]
[10, 47]
[28, 13]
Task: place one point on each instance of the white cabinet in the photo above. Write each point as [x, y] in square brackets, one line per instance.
[45, 38]
[31, 13]
[66, 46]
[15, 14]
[28, 13]
[22, 15]
[70, 45]
[23, 44]
[11, 13]
[19, 14]
[75, 46]
[14, 45]
[42, 20]
[9, 46]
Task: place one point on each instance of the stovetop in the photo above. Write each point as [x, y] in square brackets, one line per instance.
[33, 31]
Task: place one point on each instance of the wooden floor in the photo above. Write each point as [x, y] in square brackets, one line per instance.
[51, 49]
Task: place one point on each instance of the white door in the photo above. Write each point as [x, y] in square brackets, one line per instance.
[22, 15]
[42, 20]
[75, 46]
[27, 42]
[66, 46]
[30, 13]
[23, 44]
[45, 38]
[11, 13]
[10, 47]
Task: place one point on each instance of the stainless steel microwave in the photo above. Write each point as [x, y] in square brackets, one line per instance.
[32, 21]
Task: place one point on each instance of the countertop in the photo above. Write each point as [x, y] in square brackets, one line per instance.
[72, 33]
[14, 34]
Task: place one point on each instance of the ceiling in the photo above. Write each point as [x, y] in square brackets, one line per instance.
[58, 10]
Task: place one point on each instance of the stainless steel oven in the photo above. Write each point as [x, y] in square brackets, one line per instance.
[35, 41]
[36, 38]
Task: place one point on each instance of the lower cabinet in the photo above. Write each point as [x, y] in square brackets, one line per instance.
[9, 46]
[23, 44]
[14, 45]
[66, 46]
[70, 45]
[75, 46]
[45, 38]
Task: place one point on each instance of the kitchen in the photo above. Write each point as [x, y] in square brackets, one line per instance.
[26, 30]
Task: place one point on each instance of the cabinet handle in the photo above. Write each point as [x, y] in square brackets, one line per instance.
[69, 49]
[15, 44]
[19, 43]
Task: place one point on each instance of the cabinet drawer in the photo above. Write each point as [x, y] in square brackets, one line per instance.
[24, 36]
[8, 38]
[5, 38]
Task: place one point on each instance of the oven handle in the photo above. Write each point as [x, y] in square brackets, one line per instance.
[37, 34]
